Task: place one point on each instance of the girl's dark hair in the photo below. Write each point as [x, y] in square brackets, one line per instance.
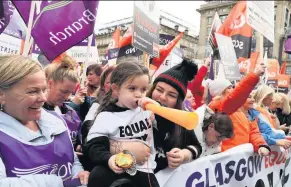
[96, 68]
[222, 124]
[100, 91]
[123, 72]
[176, 134]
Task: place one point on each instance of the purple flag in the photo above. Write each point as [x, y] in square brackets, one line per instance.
[287, 45]
[6, 11]
[59, 25]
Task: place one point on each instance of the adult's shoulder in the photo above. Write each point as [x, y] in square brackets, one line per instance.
[52, 120]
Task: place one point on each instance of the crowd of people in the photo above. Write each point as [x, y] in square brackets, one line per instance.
[57, 132]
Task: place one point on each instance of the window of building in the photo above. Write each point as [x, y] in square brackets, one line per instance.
[268, 46]
[286, 17]
[208, 30]
[222, 17]
[207, 52]
[275, 11]
[209, 20]
[224, 10]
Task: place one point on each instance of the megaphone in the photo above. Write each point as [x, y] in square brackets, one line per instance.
[188, 120]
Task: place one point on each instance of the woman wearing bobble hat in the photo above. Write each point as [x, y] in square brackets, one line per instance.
[229, 100]
[174, 144]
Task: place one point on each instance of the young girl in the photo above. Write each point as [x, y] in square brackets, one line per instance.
[122, 119]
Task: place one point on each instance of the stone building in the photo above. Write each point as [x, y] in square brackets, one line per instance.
[169, 24]
[282, 18]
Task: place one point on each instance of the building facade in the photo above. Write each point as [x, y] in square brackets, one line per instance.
[169, 25]
[282, 19]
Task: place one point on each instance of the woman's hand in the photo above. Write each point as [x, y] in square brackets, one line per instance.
[175, 157]
[112, 165]
[83, 176]
[79, 151]
[140, 150]
[284, 127]
[143, 101]
[283, 143]
[207, 62]
[80, 96]
[260, 70]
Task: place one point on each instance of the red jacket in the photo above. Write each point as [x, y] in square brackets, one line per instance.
[196, 87]
[237, 97]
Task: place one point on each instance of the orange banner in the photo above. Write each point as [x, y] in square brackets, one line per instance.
[273, 69]
[283, 81]
[249, 65]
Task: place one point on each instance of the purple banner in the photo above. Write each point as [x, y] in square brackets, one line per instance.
[6, 12]
[59, 25]
[165, 39]
[287, 45]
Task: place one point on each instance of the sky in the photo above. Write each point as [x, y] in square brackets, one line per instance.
[113, 10]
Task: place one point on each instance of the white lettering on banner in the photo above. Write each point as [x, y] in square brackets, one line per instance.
[130, 50]
[72, 29]
[282, 82]
[238, 44]
[237, 167]
[271, 74]
[9, 44]
[79, 53]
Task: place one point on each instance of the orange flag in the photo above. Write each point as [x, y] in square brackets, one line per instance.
[114, 43]
[283, 68]
[165, 51]
[240, 32]
[127, 37]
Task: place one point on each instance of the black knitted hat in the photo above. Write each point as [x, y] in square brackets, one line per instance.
[179, 75]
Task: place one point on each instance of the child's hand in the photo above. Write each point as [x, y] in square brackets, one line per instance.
[263, 151]
[143, 101]
[112, 165]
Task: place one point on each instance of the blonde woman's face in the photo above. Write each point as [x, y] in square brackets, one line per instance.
[268, 100]
[275, 105]
[59, 92]
[26, 98]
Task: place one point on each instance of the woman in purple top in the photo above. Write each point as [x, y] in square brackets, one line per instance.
[35, 146]
[62, 80]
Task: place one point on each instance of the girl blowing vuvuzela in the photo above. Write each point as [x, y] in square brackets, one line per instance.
[121, 116]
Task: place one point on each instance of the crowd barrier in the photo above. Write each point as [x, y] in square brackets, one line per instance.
[237, 167]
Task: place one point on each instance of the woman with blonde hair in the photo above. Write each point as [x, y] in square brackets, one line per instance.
[283, 113]
[263, 96]
[35, 145]
[62, 79]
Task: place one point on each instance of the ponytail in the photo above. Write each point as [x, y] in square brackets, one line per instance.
[63, 70]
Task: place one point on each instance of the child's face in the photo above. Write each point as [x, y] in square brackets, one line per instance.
[133, 90]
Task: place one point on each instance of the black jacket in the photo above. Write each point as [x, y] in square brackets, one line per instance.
[167, 136]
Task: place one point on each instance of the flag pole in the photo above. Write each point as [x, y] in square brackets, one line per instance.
[28, 41]
[83, 77]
